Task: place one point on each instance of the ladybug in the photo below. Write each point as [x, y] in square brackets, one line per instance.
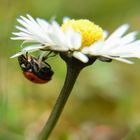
[35, 70]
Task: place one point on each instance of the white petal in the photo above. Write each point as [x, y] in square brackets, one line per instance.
[124, 60]
[22, 38]
[117, 34]
[44, 25]
[17, 54]
[120, 31]
[105, 34]
[94, 49]
[128, 38]
[65, 19]
[35, 30]
[120, 59]
[31, 19]
[30, 48]
[22, 29]
[74, 39]
[81, 57]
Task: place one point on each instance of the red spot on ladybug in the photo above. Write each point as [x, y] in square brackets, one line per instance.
[34, 70]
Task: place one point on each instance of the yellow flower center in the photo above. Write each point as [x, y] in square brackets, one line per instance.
[90, 32]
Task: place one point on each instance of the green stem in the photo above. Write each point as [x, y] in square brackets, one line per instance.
[72, 74]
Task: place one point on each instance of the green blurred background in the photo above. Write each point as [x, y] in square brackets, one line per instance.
[105, 103]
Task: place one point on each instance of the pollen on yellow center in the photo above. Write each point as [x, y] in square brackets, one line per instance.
[90, 32]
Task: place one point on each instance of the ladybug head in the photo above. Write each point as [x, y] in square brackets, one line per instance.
[24, 63]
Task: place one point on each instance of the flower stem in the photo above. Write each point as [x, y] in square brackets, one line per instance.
[72, 74]
[74, 67]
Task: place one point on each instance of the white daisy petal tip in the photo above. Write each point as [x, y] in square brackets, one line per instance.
[31, 48]
[105, 34]
[66, 18]
[119, 32]
[124, 27]
[17, 54]
[13, 38]
[125, 61]
[80, 56]
[119, 59]
[29, 16]
[135, 33]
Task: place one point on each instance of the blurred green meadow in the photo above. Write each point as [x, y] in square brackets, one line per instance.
[105, 102]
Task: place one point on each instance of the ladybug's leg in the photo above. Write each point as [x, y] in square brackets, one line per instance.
[34, 65]
[49, 55]
[47, 64]
[42, 56]
[26, 55]
[45, 56]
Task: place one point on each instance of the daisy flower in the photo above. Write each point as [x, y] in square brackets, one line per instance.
[80, 39]
[79, 43]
